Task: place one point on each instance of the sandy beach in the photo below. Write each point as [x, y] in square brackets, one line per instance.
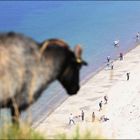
[123, 108]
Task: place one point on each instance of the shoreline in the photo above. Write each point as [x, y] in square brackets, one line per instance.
[92, 74]
[36, 122]
[101, 84]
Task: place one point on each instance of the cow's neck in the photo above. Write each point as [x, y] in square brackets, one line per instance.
[47, 73]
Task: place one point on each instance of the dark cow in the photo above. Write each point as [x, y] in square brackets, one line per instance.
[28, 67]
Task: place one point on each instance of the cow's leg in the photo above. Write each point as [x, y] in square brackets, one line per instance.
[15, 114]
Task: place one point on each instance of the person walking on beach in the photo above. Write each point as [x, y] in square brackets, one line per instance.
[137, 36]
[121, 56]
[71, 119]
[112, 66]
[107, 65]
[93, 117]
[82, 115]
[108, 59]
[128, 75]
[100, 106]
[106, 99]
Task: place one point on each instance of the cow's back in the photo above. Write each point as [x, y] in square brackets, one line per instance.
[17, 56]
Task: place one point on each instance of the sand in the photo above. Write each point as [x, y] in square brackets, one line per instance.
[123, 108]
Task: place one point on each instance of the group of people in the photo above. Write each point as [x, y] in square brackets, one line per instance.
[116, 42]
[82, 116]
[112, 66]
[103, 117]
[101, 102]
[110, 63]
[72, 118]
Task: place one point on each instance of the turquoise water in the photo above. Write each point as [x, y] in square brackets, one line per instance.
[95, 25]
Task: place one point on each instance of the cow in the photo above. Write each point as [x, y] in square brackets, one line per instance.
[28, 67]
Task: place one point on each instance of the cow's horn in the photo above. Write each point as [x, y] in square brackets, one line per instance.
[43, 47]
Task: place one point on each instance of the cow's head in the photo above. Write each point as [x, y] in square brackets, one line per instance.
[70, 75]
[68, 61]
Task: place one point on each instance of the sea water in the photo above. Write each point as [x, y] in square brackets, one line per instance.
[94, 25]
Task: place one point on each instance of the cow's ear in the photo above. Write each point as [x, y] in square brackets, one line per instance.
[78, 51]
